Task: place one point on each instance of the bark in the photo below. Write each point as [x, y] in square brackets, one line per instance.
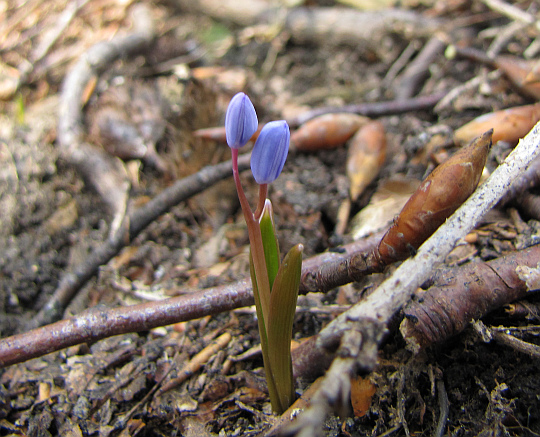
[464, 294]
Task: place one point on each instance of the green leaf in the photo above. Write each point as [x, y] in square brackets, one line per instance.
[282, 309]
[272, 390]
[270, 243]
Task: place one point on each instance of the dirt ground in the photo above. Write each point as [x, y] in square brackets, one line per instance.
[56, 212]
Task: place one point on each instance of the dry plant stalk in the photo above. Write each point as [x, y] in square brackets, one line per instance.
[438, 196]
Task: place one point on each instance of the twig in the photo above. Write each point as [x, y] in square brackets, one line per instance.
[488, 334]
[357, 332]
[401, 62]
[196, 363]
[444, 408]
[376, 109]
[470, 85]
[98, 323]
[510, 11]
[524, 347]
[138, 220]
[105, 173]
[408, 83]
[503, 37]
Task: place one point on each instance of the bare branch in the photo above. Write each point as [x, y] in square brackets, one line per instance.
[95, 324]
[137, 221]
[462, 294]
[380, 306]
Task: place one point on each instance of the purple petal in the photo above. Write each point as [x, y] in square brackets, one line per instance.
[240, 121]
[270, 151]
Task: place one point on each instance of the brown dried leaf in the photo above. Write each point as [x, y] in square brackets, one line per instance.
[508, 125]
[326, 131]
[362, 390]
[439, 195]
[520, 72]
[367, 152]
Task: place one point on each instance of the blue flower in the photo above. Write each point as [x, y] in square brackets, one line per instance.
[270, 151]
[240, 121]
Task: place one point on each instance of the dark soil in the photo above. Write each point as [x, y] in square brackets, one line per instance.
[52, 219]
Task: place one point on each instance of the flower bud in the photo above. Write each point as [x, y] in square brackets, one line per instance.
[240, 121]
[270, 151]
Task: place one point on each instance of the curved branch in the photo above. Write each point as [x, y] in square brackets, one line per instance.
[98, 323]
[137, 221]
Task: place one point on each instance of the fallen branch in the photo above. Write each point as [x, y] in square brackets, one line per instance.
[375, 109]
[462, 294]
[356, 333]
[106, 173]
[136, 221]
[97, 323]
[319, 24]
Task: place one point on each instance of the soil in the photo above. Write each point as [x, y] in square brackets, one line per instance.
[52, 219]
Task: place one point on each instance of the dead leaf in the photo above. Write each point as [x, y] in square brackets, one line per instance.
[362, 391]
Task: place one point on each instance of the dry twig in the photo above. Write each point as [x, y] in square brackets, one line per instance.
[500, 335]
[97, 323]
[375, 109]
[106, 174]
[357, 332]
[318, 24]
[510, 11]
[137, 220]
[410, 80]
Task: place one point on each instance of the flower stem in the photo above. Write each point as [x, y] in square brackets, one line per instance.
[263, 192]
[255, 239]
[261, 287]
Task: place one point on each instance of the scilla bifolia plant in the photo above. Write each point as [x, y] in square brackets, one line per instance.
[275, 282]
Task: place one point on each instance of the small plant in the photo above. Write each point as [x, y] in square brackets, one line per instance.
[275, 282]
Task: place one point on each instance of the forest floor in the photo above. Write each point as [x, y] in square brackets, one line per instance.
[57, 211]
